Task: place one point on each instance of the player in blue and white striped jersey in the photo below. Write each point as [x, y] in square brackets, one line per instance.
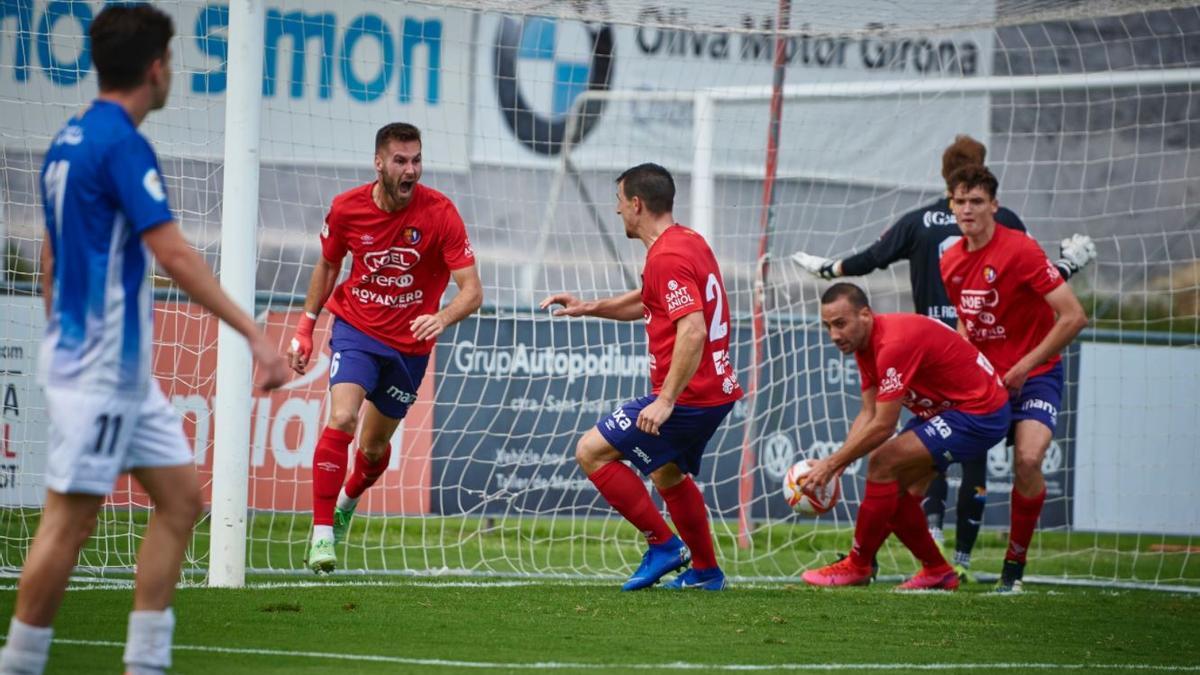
[106, 213]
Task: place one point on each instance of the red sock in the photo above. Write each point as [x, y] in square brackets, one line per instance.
[690, 515]
[366, 472]
[874, 520]
[622, 489]
[329, 470]
[1025, 513]
[912, 529]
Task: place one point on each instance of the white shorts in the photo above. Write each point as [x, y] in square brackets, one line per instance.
[96, 437]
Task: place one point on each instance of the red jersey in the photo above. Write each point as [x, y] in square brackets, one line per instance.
[401, 261]
[999, 293]
[681, 277]
[929, 366]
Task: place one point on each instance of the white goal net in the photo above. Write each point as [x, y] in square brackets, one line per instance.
[1091, 116]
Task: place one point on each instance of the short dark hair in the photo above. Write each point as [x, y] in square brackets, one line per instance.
[972, 176]
[964, 151]
[856, 295]
[396, 131]
[652, 184]
[126, 39]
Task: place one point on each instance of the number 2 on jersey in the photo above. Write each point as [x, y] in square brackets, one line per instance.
[717, 328]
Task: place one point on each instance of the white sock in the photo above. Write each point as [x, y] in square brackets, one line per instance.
[345, 503]
[322, 532]
[148, 645]
[936, 533]
[27, 649]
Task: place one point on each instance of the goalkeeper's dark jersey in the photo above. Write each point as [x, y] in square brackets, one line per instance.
[921, 237]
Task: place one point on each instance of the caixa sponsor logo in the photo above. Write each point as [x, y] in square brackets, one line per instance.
[395, 257]
[580, 58]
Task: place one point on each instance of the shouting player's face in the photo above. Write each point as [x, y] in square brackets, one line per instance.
[849, 328]
[399, 166]
[974, 210]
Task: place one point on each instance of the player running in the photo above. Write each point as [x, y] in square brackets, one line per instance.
[960, 410]
[921, 236]
[1015, 307]
[106, 208]
[407, 241]
[692, 382]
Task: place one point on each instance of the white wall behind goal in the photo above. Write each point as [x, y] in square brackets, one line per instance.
[1138, 439]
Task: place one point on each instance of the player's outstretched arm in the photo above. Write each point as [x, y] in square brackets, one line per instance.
[183, 264]
[320, 286]
[896, 243]
[1069, 320]
[624, 307]
[465, 303]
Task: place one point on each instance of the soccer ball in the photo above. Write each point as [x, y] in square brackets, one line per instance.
[806, 500]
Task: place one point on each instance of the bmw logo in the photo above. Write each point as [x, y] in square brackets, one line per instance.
[538, 45]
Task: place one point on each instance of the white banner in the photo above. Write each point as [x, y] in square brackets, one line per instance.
[1137, 452]
[333, 74]
[530, 70]
[23, 420]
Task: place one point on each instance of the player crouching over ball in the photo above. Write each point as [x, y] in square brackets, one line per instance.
[960, 411]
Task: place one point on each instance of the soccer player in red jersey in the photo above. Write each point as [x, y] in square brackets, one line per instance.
[1015, 307]
[921, 237]
[960, 410]
[693, 386]
[406, 241]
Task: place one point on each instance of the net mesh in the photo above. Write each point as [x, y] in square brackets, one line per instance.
[519, 134]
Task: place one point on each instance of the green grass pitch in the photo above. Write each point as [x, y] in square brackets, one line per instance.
[446, 626]
[501, 620]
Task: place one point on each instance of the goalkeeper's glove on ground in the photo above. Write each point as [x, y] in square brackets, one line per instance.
[818, 266]
[1075, 252]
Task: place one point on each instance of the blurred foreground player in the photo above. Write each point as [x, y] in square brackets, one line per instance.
[106, 208]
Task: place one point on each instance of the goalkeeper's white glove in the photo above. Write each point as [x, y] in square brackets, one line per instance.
[1075, 252]
[818, 266]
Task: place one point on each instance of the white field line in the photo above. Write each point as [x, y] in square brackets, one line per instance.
[671, 665]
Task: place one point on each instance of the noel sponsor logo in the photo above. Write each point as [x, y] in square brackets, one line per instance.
[395, 257]
[972, 301]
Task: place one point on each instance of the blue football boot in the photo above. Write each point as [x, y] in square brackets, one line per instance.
[659, 559]
[701, 580]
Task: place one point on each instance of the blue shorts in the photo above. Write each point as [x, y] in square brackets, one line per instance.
[954, 436]
[681, 439]
[1040, 398]
[389, 377]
